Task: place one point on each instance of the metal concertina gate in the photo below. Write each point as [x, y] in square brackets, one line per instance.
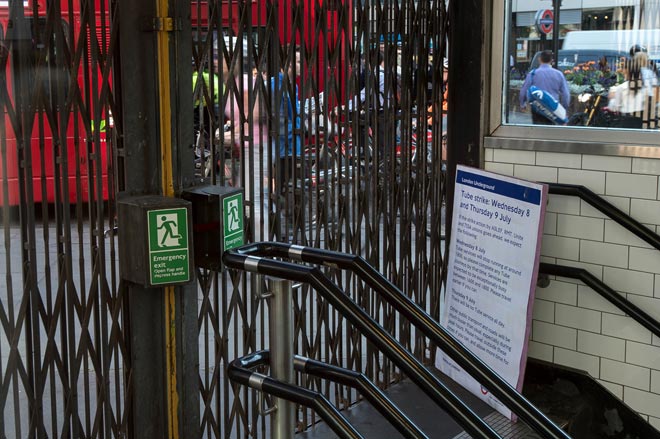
[64, 353]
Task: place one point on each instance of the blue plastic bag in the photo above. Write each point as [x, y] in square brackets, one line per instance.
[546, 105]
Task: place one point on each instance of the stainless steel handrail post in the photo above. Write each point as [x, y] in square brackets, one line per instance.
[280, 325]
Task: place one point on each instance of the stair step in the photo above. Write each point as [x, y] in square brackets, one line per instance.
[505, 428]
[572, 399]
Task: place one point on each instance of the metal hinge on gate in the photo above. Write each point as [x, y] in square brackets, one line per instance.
[161, 24]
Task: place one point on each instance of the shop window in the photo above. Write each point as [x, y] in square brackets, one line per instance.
[608, 61]
[601, 19]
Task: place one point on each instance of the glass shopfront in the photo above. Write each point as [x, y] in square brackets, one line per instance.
[608, 54]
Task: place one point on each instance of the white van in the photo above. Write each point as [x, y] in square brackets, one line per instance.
[615, 40]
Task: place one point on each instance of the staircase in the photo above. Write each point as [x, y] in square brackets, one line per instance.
[569, 397]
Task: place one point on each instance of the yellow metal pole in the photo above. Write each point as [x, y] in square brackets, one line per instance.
[162, 13]
[172, 393]
[165, 100]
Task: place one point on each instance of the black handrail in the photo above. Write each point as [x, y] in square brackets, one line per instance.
[348, 378]
[632, 225]
[605, 291]
[474, 366]
[359, 381]
[239, 372]
[412, 367]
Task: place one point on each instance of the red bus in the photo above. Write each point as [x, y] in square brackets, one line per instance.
[229, 15]
[53, 124]
[248, 27]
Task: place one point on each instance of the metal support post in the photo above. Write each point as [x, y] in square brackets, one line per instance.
[465, 124]
[556, 8]
[162, 322]
[281, 353]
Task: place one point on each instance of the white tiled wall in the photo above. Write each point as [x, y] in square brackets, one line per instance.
[573, 325]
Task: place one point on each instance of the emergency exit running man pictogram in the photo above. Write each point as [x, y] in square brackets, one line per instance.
[170, 228]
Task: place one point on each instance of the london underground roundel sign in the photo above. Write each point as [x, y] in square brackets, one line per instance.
[545, 20]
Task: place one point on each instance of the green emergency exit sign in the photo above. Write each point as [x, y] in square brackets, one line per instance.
[232, 211]
[169, 251]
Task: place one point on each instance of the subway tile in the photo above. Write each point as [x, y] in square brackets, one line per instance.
[657, 285]
[645, 211]
[616, 234]
[547, 259]
[588, 298]
[554, 335]
[643, 402]
[628, 375]
[625, 327]
[646, 166]
[500, 168]
[655, 422]
[578, 360]
[560, 247]
[607, 163]
[539, 351]
[613, 255]
[579, 318]
[649, 304]
[488, 154]
[621, 203]
[572, 226]
[655, 381]
[632, 185]
[601, 345]
[544, 311]
[629, 281]
[643, 259]
[535, 173]
[563, 204]
[560, 292]
[614, 389]
[514, 156]
[594, 180]
[643, 355]
[559, 160]
[550, 223]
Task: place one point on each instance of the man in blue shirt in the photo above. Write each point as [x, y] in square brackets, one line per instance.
[286, 109]
[549, 80]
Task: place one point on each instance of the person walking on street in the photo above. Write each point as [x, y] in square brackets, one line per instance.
[631, 98]
[286, 145]
[286, 107]
[648, 69]
[548, 79]
[379, 104]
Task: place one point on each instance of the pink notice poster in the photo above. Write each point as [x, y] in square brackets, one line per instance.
[492, 270]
